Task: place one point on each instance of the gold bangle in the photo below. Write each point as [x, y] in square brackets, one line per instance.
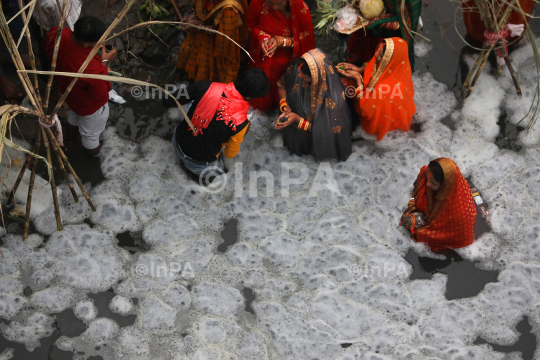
[301, 124]
[282, 104]
[306, 125]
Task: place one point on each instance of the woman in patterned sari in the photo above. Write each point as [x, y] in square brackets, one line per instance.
[444, 196]
[394, 23]
[281, 31]
[385, 93]
[315, 118]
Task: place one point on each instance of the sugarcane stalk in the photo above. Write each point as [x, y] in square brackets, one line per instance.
[55, 148]
[91, 55]
[52, 182]
[31, 189]
[176, 10]
[30, 49]
[513, 74]
[55, 54]
[17, 60]
[21, 174]
[480, 69]
[66, 161]
[475, 66]
[40, 17]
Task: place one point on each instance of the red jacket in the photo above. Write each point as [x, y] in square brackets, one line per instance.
[88, 95]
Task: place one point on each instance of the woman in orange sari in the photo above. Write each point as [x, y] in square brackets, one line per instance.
[385, 92]
[444, 196]
[281, 31]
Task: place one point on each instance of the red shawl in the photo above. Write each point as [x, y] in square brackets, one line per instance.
[265, 22]
[231, 108]
[451, 211]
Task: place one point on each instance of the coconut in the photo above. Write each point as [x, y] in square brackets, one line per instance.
[371, 8]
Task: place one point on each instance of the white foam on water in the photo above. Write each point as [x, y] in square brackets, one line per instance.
[99, 331]
[85, 310]
[422, 48]
[121, 305]
[28, 329]
[325, 269]
[7, 354]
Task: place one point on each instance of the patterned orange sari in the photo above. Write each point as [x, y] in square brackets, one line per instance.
[388, 100]
[208, 56]
[450, 210]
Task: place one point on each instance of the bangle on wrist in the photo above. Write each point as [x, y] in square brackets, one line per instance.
[359, 92]
[282, 104]
[102, 61]
[303, 124]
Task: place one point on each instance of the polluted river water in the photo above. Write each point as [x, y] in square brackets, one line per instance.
[168, 270]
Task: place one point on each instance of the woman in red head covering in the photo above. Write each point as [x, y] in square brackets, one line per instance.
[281, 31]
[444, 196]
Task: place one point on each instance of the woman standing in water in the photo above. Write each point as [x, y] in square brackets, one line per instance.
[281, 31]
[315, 118]
[385, 91]
[444, 196]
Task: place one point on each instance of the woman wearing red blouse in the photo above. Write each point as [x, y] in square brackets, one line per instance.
[281, 31]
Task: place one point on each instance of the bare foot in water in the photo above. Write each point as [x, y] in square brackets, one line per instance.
[9, 88]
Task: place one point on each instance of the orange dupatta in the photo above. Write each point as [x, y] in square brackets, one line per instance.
[450, 210]
[388, 100]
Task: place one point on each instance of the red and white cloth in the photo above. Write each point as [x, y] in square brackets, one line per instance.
[493, 37]
[231, 108]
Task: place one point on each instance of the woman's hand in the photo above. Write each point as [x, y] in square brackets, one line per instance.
[270, 46]
[191, 19]
[347, 66]
[286, 119]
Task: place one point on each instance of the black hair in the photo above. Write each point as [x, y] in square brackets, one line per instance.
[304, 67]
[252, 83]
[89, 29]
[437, 171]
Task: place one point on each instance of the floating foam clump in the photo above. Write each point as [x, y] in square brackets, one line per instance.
[85, 310]
[121, 305]
[52, 299]
[11, 298]
[212, 298]
[100, 331]
[85, 258]
[29, 329]
[6, 354]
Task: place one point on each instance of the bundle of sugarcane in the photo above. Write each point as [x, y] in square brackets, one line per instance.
[494, 15]
[44, 134]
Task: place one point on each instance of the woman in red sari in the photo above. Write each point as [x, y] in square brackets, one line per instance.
[385, 91]
[281, 31]
[444, 196]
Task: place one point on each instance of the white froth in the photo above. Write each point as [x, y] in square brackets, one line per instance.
[85, 310]
[121, 305]
[422, 48]
[100, 331]
[217, 299]
[7, 354]
[29, 329]
[325, 269]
